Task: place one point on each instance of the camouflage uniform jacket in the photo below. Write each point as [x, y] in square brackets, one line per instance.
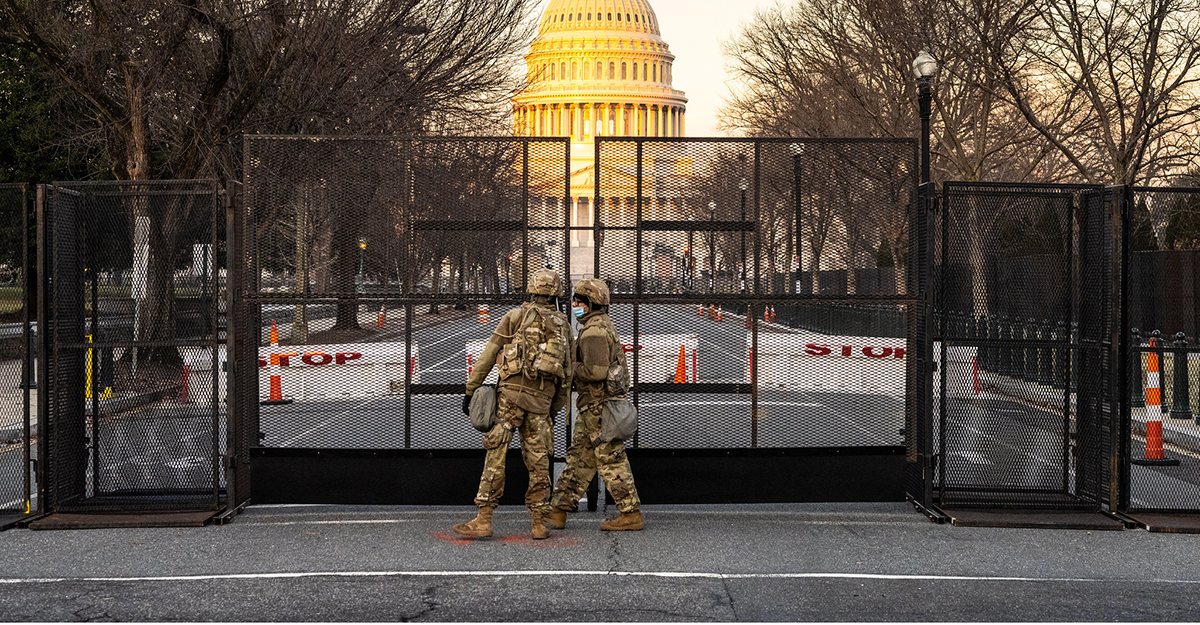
[597, 347]
[538, 395]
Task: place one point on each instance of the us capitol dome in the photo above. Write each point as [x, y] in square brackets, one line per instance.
[596, 68]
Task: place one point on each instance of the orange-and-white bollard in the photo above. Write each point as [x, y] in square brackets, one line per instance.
[720, 317]
[275, 396]
[1154, 431]
[382, 316]
[484, 315]
[749, 317]
[701, 310]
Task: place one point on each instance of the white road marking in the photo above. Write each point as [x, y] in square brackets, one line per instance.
[326, 422]
[725, 403]
[342, 522]
[534, 573]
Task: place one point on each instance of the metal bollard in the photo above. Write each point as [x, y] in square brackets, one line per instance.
[1181, 407]
[1074, 359]
[1029, 368]
[1045, 353]
[1006, 356]
[1137, 393]
[1060, 356]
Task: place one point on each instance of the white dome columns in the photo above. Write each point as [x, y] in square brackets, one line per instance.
[583, 121]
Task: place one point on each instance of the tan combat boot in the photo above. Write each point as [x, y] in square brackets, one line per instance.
[626, 521]
[478, 527]
[557, 518]
[539, 527]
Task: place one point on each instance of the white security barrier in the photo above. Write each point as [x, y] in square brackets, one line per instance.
[857, 364]
[474, 350]
[960, 372]
[338, 370]
[658, 356]
[199, 379]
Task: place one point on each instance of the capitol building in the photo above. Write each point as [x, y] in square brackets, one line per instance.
[597, 68]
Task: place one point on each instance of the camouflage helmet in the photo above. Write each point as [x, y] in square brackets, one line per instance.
[596, 291]
[545, 282]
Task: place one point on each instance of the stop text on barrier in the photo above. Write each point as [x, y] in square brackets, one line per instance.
[315, 359]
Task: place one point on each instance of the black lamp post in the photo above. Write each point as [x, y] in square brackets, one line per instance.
[797, 150]
[743, 185]
[925, 67]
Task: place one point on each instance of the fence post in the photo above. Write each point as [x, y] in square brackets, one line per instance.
[1181, 405]
[1137, 395]
[1005, 332]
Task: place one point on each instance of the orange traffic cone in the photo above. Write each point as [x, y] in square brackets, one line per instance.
[382, 316]
[701, 310]
[772, 313]
[1154, 432]
[681, 367]
[484, 315]
[712, 311]
[767, 314]
[275, 397]
[720, 317]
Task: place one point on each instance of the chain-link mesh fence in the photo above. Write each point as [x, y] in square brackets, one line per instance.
[135, 393]
[1160, 435]
[762, 286]
[1021, 319]
[17, 408]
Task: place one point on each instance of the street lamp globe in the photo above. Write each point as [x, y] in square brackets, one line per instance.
[712, 205]
[797, 149]
[744, 184]
[924, 67]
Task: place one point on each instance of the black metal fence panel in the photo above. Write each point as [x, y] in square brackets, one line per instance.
[17, 406]
[1022, 291]
[132, 275]
[376, 270]
[1160, 436]
[762, 286]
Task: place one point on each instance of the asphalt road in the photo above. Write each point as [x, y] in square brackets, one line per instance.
[812, 562]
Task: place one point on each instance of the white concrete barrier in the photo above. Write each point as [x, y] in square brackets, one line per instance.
[659, 356]
[338, 370]
[474, 351]
[959, 371]
[857, 364]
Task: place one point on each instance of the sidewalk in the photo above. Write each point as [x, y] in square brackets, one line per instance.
[809, 562]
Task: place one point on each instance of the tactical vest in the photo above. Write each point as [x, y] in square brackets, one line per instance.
[538, 348]
[616, 383]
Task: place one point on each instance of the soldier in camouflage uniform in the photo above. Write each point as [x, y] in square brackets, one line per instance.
[597, 349]
[527, 395]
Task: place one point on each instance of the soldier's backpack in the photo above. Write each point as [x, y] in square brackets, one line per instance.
[539, 345]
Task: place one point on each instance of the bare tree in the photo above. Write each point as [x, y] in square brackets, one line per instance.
[173, 83]
[1110, 84]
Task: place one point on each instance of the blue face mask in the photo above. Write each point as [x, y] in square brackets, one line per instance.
[579, 312]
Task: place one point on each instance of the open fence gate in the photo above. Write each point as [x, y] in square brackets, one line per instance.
[131, 320]
[763, 290]
[1024, 330]
[18, 387]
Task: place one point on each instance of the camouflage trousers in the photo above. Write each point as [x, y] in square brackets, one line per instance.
[537, 443]
[584, 459]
